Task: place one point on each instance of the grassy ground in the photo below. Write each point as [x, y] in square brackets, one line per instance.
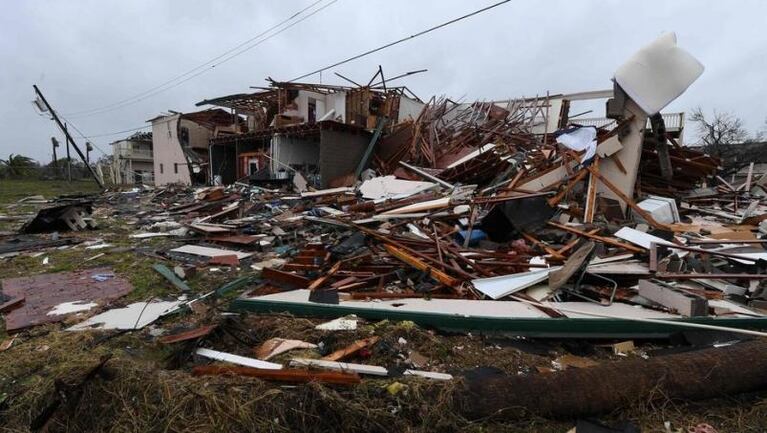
[12, 190]
[148, 386]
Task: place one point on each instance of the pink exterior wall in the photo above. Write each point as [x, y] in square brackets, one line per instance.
[168, 153]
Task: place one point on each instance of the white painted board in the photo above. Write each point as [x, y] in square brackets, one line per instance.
[237, 359]
[210, 252]
[504, 285]
[373, 370]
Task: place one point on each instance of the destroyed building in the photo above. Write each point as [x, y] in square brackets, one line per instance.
[356, 235]
[320, 130]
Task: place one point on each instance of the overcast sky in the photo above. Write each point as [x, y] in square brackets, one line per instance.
[86, 54]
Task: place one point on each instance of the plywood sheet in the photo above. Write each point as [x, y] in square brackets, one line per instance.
[43, 293]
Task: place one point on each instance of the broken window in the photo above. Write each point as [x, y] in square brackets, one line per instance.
[312, 111]
[183, 136]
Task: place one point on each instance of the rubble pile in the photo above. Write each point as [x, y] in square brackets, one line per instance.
[471, 218]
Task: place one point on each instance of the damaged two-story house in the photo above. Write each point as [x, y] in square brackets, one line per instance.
[132, 159]
[321, 131]
[180, 144]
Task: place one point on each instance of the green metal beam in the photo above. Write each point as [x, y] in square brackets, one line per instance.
[233, 285]
[171, 276]
[529, 327]
[371, 146]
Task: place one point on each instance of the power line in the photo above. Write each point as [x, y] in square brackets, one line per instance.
[138, 128]
[197, 67]
[207, 66]
[447, 23]
[423, 32]
[80, 133]
[118, 132]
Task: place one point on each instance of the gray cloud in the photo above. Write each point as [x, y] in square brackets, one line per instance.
[89, 53]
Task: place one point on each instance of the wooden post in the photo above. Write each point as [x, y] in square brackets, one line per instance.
[55, 144]
[69, 158]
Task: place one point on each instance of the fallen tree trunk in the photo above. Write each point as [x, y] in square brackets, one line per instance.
[695, 375]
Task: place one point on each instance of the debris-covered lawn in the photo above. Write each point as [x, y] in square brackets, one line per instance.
[147, 385]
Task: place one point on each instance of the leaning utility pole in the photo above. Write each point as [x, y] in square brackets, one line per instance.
[55, 144]
[70, 140]
[69, 159]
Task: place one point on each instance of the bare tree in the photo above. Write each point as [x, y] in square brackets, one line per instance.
[761, 134]
[721, 133]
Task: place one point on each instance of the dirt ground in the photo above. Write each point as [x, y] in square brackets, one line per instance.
[146, 386]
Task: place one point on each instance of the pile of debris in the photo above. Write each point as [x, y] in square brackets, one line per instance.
[469, 218]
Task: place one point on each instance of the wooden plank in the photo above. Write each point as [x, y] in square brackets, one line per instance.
[12, 303]
[286, 375]
[628, 200]
[553, 201]
[351, 349]
[285, 278]
[749, 176]
[422, 266]
[373, 370]
[428, 374]
[210, 228]
[591, 194]
[550, 251]
[187, 335]
[236, 239]
[237, 359]
[319, 282]
[602, 239]
[570, 245]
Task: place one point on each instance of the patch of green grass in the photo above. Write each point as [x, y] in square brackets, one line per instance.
[12, 190]
[146, 282]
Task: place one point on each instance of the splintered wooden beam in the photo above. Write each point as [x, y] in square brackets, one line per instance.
[320, 281]
[749, 177]
[591, 193]
[574, 242]
[286, 278]
[284, 375]
[553, 201]
[351, 349]
[422, 266]
[550, 251]
[187, 335]
[727, 184]
[647, 217]
[604, 240]
[515, 180]
[400, 245]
